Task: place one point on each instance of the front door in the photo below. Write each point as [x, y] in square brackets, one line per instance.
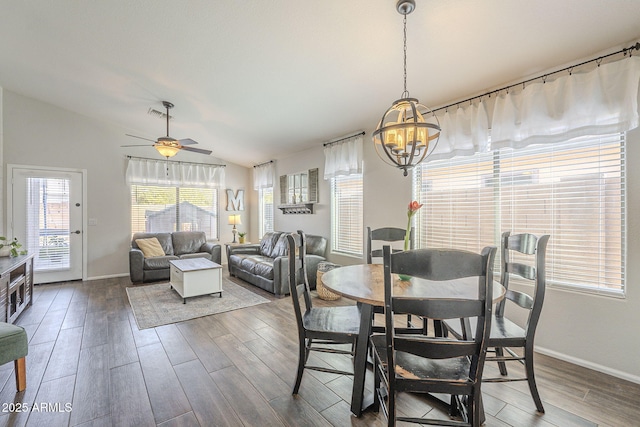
[47, 218]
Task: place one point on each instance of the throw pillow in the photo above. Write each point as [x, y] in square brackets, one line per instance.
[150, 247]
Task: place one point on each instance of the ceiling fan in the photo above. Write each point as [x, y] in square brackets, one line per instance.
[168, 146]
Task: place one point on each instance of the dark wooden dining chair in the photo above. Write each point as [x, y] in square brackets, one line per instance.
[376, 238]
[425, 364]
[386, 235]
[319, 328]
[505, 334]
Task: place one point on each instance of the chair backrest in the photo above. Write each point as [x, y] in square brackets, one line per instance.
[440, 265]
[386, 234]
[298, 283]
[534, 248]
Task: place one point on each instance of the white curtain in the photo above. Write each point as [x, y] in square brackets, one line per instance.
[179, 174]
[601, 101]
[263, 175]
[343, 158]
[465, 131]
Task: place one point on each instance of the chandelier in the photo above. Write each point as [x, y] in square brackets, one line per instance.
[408, 131]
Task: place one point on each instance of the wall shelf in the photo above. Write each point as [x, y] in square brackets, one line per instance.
[296, 208]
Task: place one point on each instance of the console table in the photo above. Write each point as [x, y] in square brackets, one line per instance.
[16, 286]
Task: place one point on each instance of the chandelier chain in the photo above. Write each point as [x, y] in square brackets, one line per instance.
[405, 94]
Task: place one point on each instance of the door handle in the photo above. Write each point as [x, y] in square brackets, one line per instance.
[75, 232]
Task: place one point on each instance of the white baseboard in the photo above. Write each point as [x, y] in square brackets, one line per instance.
[108, 276]
[586, 364]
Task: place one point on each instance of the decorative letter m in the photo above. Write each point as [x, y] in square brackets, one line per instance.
[235, 202]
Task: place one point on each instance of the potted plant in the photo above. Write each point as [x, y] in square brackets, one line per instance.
[241, 237]
[12, 248]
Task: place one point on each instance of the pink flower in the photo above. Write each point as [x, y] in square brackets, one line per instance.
[413, 207]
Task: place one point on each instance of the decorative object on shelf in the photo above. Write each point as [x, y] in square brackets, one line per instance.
[241, 237]
[12, 248]
[298, 192]
[235, 202]
[411, 211]
[234, 220]
[404, 135]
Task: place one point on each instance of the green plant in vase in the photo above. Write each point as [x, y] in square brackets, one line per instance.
[14, 246]
[241, 237]
[411, 211]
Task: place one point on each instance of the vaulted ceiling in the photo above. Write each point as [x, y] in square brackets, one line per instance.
[253, 80]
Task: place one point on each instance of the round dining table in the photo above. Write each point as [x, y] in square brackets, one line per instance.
[365, 283]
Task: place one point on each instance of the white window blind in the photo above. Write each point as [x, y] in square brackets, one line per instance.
[48, 220]
[346, 214]
[265, 210]
[574, 191]
[166, 209]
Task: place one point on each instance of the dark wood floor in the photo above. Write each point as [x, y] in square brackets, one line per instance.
[237, 368]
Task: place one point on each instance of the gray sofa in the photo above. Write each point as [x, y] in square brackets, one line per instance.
[266, 265]
[176, 245]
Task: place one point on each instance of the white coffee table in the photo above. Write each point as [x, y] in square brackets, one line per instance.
[195, 276]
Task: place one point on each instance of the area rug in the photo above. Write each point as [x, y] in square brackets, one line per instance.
[158, 304]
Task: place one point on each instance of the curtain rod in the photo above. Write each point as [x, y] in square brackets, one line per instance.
[263, 163]
[177, 161]
[597, 60]
[342, 139]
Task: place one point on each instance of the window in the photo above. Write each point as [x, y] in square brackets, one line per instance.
[48, 222]
[574, 191]
[265, 210]
[166, 209]
[346, 214]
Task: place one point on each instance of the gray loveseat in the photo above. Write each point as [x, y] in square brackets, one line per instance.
[266, 265]
[176, 245]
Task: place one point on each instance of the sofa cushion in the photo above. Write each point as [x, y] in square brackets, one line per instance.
[282, 246]
[163, 238]
[258, 265]
[159, 262]
[188, 242]
[268, 242]
[197, 255]
[316, 245]
[150, 247]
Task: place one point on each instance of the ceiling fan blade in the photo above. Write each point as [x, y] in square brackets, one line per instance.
[139, 145]
[197, 150]
[187, 141]
[139, 137]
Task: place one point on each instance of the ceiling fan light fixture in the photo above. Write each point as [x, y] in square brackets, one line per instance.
[166, 145]
[167, 150]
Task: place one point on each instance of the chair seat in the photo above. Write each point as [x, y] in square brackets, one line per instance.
[504, 332]
[428, 371]
[13, 343]
[342, 319]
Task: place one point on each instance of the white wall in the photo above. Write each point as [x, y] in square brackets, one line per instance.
[40, 134]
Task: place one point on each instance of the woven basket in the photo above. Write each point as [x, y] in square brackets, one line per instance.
[323, 292]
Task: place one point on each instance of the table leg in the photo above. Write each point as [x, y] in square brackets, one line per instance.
[360, 362]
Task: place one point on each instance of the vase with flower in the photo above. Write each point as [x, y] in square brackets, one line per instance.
[411, 211]
[10, 247]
